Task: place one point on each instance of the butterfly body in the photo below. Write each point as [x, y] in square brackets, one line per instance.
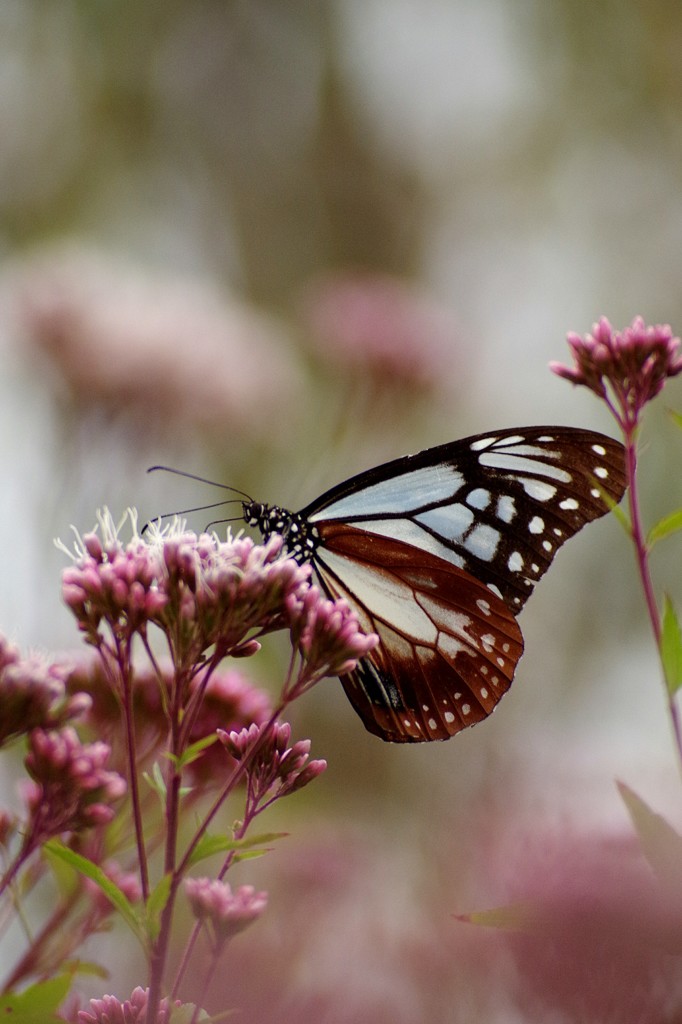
[437, 553]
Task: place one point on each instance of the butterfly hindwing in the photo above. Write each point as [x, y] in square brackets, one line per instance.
[448, 646]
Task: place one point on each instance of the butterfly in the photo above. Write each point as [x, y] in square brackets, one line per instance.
[437, 554]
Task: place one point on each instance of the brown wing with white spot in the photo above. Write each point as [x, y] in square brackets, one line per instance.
[449, 646]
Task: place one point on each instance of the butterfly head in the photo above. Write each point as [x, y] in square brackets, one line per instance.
[300, 537]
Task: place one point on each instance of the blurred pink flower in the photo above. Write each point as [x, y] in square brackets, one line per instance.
[72, 788]
[384, 327]
[125, 337]
[229, 910]
[33, 693]
[601, 940]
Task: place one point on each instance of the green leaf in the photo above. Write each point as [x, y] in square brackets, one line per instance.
[676, 417]
[515, 917]
[250, 855]
[38, 1003]
[155, 905]
[66, 879]
[194, 751]
[87, 967]
[671, 648]
[110, 889]
[185, 1014]
[209, 844]
[664, 527]
[660, 843]
[156, 781]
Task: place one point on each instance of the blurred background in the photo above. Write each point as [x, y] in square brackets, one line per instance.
[276, 242]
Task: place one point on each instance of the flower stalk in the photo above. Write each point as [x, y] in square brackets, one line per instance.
[626, 370]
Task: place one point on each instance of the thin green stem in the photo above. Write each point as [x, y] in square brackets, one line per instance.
[642, 558]
[124, 661]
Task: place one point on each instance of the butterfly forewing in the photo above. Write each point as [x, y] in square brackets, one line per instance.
[497, 505]
[449, 646]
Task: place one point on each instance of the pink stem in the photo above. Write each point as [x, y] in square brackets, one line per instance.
[642, 556]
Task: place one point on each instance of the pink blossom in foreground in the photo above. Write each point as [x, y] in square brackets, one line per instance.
[204, 593]
[72, 788]
[109, 1010]
[626, 368]
[229, 910]
[276, 769]
[200, 590]
[327, 633]
[33, 693]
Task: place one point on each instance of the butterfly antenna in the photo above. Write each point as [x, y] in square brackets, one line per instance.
[197, 508]
[201, 480]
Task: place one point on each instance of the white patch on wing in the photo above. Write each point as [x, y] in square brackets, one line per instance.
[384, 595]
[537, 489]
[401, 493]
[506, 509]
[483, 542]
[479, 498]
[515, 562]
[450, 521]
[518, 465]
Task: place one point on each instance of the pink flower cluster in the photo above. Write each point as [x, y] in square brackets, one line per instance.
[33, 693]
[327, 633]
[219, 591]
[72, 788]
[114, 584]
[626, 368]
[206, 593]
[109, 1010]
[228, 910]
[274, 769]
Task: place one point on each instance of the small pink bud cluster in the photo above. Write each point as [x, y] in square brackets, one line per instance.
[274, 769]
[633, 364]
[219, 591]
[328, 635]
[113, 583]
[109, 1010]
[33, 694]
[72, 788]
[228, 910]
